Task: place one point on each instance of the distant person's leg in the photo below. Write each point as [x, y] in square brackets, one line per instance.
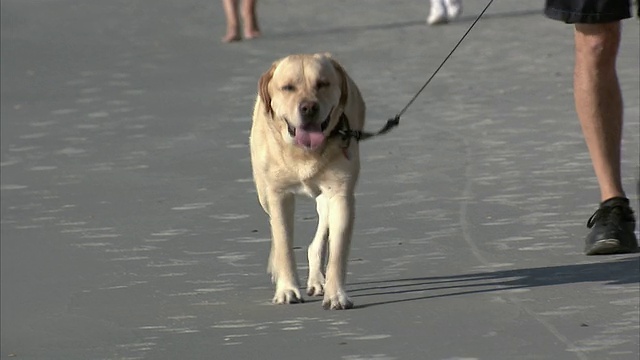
[251, 28]
[233, 23]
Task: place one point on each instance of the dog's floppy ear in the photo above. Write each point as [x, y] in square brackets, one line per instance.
[263, 88]
[344, 84]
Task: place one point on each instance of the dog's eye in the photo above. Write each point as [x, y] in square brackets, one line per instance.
[288, 88]
[322, 84]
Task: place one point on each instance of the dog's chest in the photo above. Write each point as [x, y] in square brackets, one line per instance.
[307, 188]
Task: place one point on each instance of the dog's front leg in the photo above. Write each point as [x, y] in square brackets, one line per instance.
[341, 216]
[282, 264]
[317, 250]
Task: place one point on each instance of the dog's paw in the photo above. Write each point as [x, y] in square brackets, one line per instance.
[315, 287]
[339, 301]
[288, 296]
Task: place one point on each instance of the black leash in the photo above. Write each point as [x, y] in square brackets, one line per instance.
[395, 121]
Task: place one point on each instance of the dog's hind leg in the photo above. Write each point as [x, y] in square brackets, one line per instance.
[282, 265]
[318, 249]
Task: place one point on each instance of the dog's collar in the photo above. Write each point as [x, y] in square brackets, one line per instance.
[343, 130]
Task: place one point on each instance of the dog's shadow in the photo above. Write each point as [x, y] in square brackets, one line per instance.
[619, 272]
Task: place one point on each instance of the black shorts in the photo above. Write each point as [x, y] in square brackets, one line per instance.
[588, 11]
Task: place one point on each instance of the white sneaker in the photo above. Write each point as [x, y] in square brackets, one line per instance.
[454, 9]
[437, 13]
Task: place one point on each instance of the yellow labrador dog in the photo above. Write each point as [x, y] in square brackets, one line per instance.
[297, 147]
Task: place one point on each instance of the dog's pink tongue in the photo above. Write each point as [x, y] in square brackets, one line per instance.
[309, 137]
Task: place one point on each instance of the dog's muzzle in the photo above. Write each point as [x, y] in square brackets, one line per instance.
[292, 129]
[309, 136]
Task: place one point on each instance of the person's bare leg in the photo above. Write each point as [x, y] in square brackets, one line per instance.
[251, 28]
[598, 101]
[233, 22]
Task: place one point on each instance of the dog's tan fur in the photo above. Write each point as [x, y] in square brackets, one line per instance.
[282, 168]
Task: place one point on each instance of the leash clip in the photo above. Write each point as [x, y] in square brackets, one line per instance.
[391, 123]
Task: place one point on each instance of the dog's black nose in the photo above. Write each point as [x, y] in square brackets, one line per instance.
[309, 108]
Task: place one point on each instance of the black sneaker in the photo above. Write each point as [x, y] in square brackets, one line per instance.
[612, 227]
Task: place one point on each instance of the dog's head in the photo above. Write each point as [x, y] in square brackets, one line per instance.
[304, 95]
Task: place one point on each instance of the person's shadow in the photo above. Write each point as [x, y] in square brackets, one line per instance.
[465, 19]
[619, 272]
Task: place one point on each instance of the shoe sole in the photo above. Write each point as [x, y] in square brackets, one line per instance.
[440, 21]
[607, 247]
